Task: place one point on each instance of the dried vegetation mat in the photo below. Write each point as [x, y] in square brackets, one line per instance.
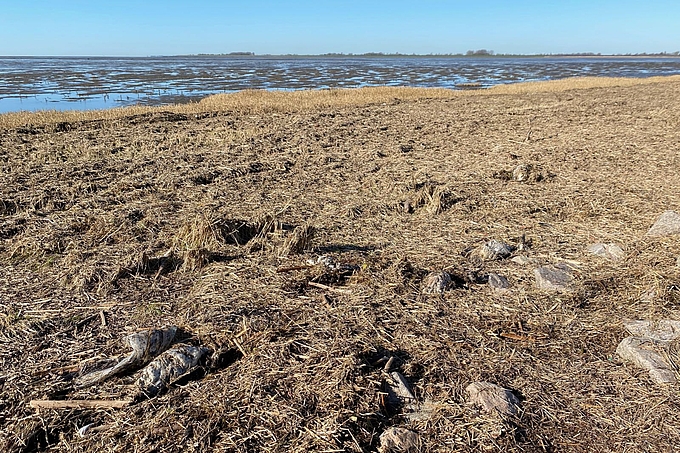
[345, 271]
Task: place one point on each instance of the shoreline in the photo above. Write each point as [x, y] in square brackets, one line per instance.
[280, 100]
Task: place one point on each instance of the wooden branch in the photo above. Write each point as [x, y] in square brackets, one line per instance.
[78, 404]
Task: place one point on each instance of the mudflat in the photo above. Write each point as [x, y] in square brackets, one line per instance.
[292, 236]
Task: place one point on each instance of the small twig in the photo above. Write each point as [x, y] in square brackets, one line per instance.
[294, 268]
[513, 336]
[388, 365]
[78, 404]
[77, 326]
[62, 369]
[528, 137]
[238, 345]
[111, 233]
[329, 288]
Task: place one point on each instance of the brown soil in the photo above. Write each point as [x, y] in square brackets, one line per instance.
[206, 220]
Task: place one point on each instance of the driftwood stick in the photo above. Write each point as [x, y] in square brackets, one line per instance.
[78, 404]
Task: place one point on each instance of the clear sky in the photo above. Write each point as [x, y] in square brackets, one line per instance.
[171, 27]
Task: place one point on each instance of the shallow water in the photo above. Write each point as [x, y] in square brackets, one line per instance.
[94, 83]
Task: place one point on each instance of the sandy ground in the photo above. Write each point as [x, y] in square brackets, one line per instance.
[114, 226]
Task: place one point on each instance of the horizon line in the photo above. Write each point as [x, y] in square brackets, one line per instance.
[470, 54]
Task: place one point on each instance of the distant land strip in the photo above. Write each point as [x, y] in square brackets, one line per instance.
[482, 53]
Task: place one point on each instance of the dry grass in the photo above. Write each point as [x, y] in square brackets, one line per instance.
[141, 219]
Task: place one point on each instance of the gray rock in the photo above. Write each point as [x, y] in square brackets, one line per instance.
[423, 412]
[399, 392]
[666, 225]
[521, 172]
[554, 278]
[663, 330]
[646, 354]
[609, 251]
[492, 398]
[523, 260]
[649, 295]
[498, 282]
[677, 261]
[399, 440]
[400, 396]
[436, 282]
[495, 250]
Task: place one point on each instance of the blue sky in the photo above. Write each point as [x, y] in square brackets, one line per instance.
[141, 28]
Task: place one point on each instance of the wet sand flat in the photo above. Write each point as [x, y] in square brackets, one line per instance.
[115, 222]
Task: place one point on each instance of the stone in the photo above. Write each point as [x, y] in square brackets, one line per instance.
[422, 412]
[399, 393]
[646, 353]
[498, 282]
[436, 282]
[521, 172]
[399, 440]
[495, 250]
[554, 278]
[667, 224]
[492, 398]
[662, 330]
[523, 260]
[611, 252]
[400, 397]
[677, 261]
[649, 295]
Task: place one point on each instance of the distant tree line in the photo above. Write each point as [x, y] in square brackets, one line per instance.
[230, 54]
[469, 53]
[479, 53]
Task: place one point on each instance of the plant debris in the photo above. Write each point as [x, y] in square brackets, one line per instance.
[128, 219]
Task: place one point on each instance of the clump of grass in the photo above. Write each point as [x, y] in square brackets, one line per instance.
[196, 239]
[299, 240]
[431, 197]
